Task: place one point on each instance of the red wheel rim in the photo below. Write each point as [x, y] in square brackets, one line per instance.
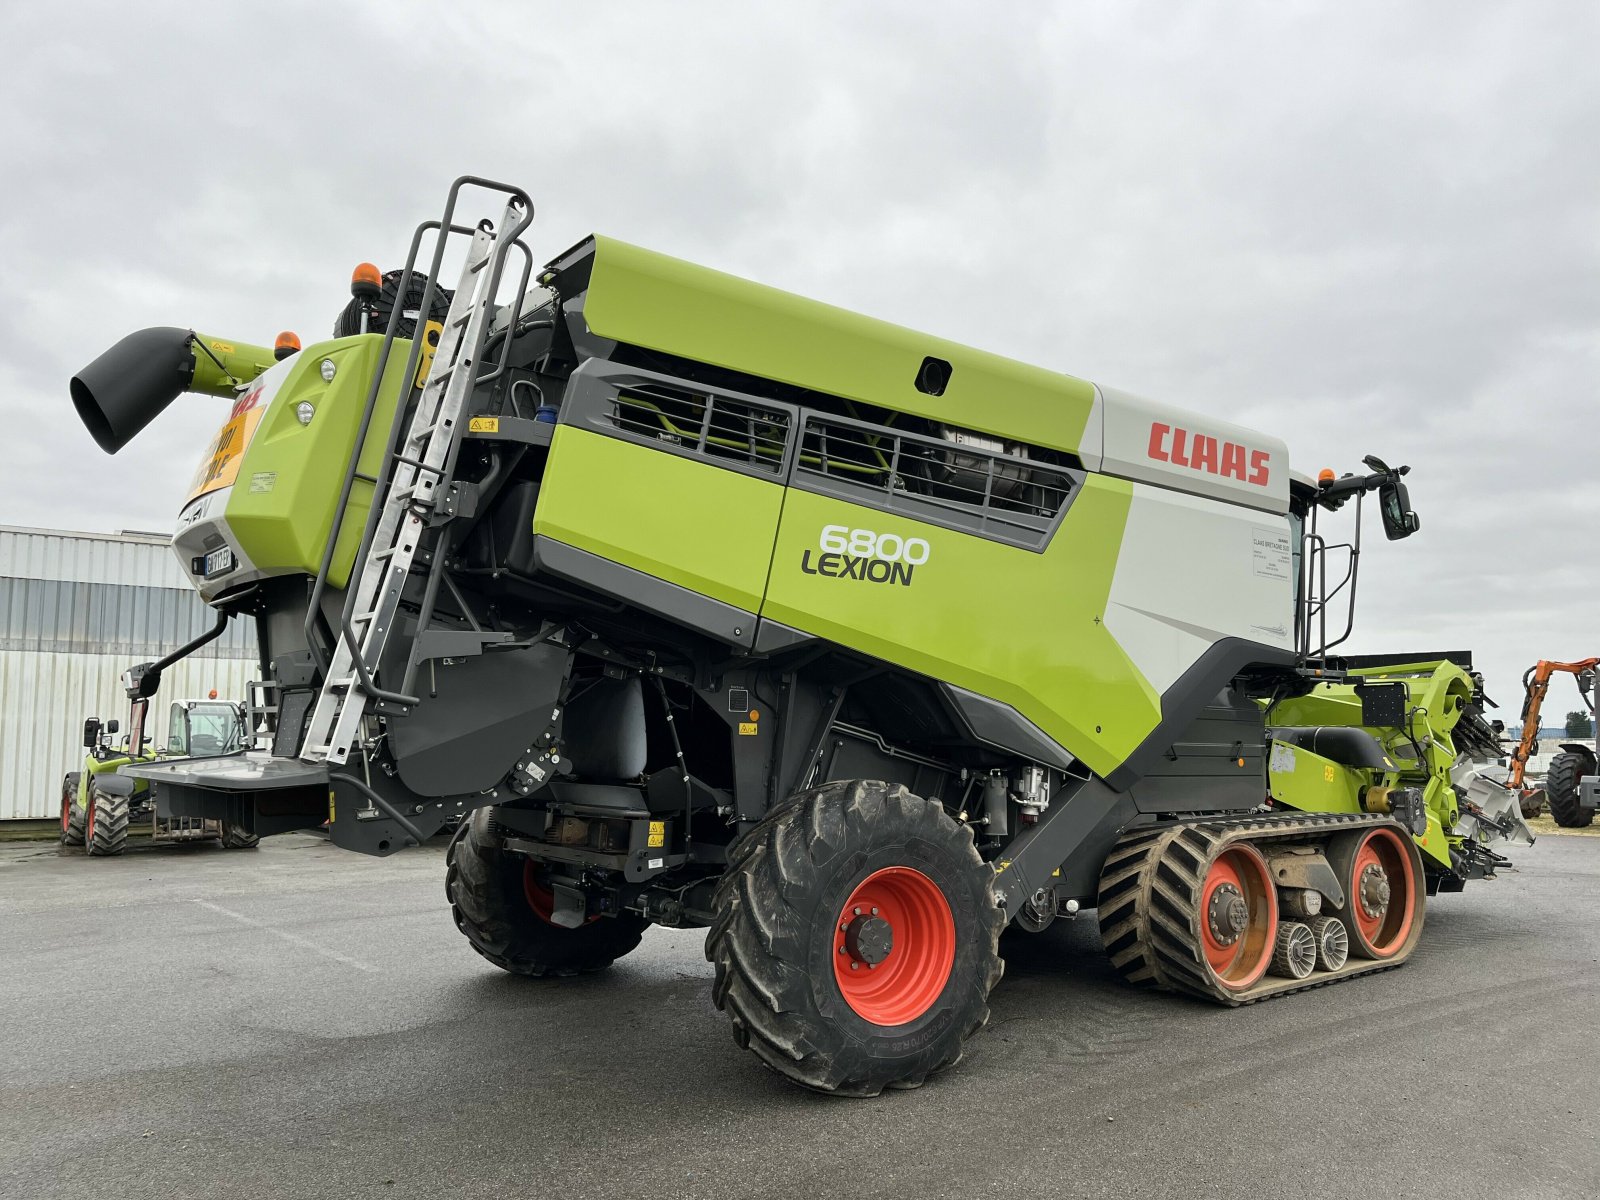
[891, 977]
[1383, 927]
[1238, 887]
[66, 810]
[540, 895]
[88, 819]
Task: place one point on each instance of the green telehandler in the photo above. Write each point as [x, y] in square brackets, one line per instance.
[702, 604]
[101, 805]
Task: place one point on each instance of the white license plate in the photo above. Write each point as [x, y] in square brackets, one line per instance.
[219, 562]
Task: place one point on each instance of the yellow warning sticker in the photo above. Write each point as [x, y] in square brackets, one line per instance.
[484, 425]
[330, 806]
[747, 728]
[658, 833]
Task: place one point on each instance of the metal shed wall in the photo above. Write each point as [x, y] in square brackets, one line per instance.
[76, 610]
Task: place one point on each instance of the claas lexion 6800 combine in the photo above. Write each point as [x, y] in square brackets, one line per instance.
[702, 604]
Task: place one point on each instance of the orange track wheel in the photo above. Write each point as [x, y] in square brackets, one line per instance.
[894, 945]
[1238, 916]
[1382, 893]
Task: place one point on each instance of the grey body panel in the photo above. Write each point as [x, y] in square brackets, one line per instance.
[234, 773]
[714, 619]
[1001, 725]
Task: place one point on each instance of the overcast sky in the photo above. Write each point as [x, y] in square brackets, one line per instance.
[1366, 228]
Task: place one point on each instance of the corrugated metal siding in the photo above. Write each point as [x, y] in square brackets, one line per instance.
[49, 616]
[76, 610]
[138, 560]
[44, 699]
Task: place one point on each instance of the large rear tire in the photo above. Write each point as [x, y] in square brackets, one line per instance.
[856, 939]
[234, 838]
[501, 904]
[72, 815]
[106, 832]
[1561, 789]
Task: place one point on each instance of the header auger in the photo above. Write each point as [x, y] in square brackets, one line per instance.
[702, 604]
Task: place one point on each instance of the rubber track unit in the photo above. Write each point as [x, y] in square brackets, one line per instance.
[773, 936]
[1149, 903]
[1561, 789]
[109, 833]
[484, 882]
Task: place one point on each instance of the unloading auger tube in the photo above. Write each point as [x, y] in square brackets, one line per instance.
[660, 584]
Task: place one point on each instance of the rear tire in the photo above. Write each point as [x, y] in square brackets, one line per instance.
[1561, 789]
[234, 838]
[496, 900]
[860, 873]
[72, 815]
[106, 832]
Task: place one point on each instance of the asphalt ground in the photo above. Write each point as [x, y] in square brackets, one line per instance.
[301, 1022]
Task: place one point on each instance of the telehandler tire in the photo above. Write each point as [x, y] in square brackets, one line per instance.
[856, 939]
[72, 815]
[502, 905]
[234, 838]
[1561, 789]
[106, 832]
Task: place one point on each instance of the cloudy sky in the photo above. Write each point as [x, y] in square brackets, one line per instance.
[1364, 227]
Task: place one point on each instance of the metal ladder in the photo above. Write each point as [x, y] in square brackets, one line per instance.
[420, 467]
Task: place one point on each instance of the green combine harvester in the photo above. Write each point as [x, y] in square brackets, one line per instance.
[702, 604]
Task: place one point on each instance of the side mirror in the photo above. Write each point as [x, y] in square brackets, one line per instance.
[1394, 502]
[112, 726]
[91, 733]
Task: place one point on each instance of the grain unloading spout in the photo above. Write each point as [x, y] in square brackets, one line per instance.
[131, 384]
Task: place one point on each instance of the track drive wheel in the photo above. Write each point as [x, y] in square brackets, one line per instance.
[1380, 872]
[72, 815]
[856, 939]
[1561, 789]
[502, 905]
[106, 829]
[1185, 910]
[235, 838]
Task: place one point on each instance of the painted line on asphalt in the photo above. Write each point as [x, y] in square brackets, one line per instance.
[292, 938]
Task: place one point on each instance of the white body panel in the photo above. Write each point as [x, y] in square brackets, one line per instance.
[1175, 448]
[1193, 571]
[203, 528]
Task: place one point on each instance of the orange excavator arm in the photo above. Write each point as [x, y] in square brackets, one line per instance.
[1537, 684]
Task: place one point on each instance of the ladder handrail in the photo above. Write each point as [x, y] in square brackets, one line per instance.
[405, 485]
[396, 315]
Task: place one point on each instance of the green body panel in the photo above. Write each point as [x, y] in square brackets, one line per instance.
[1037, 641]
[1438, 693]
[282, 503]
[712, 530]
[242, 362]
[648, 299]
[702, 527]
[108, 766]
[1318, 784]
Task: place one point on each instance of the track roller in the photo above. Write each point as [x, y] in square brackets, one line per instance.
[1295, 954]
[1333, 942]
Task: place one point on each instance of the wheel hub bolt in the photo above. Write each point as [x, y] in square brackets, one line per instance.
[1227, 914]
[868, 939]
[1375, 890]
